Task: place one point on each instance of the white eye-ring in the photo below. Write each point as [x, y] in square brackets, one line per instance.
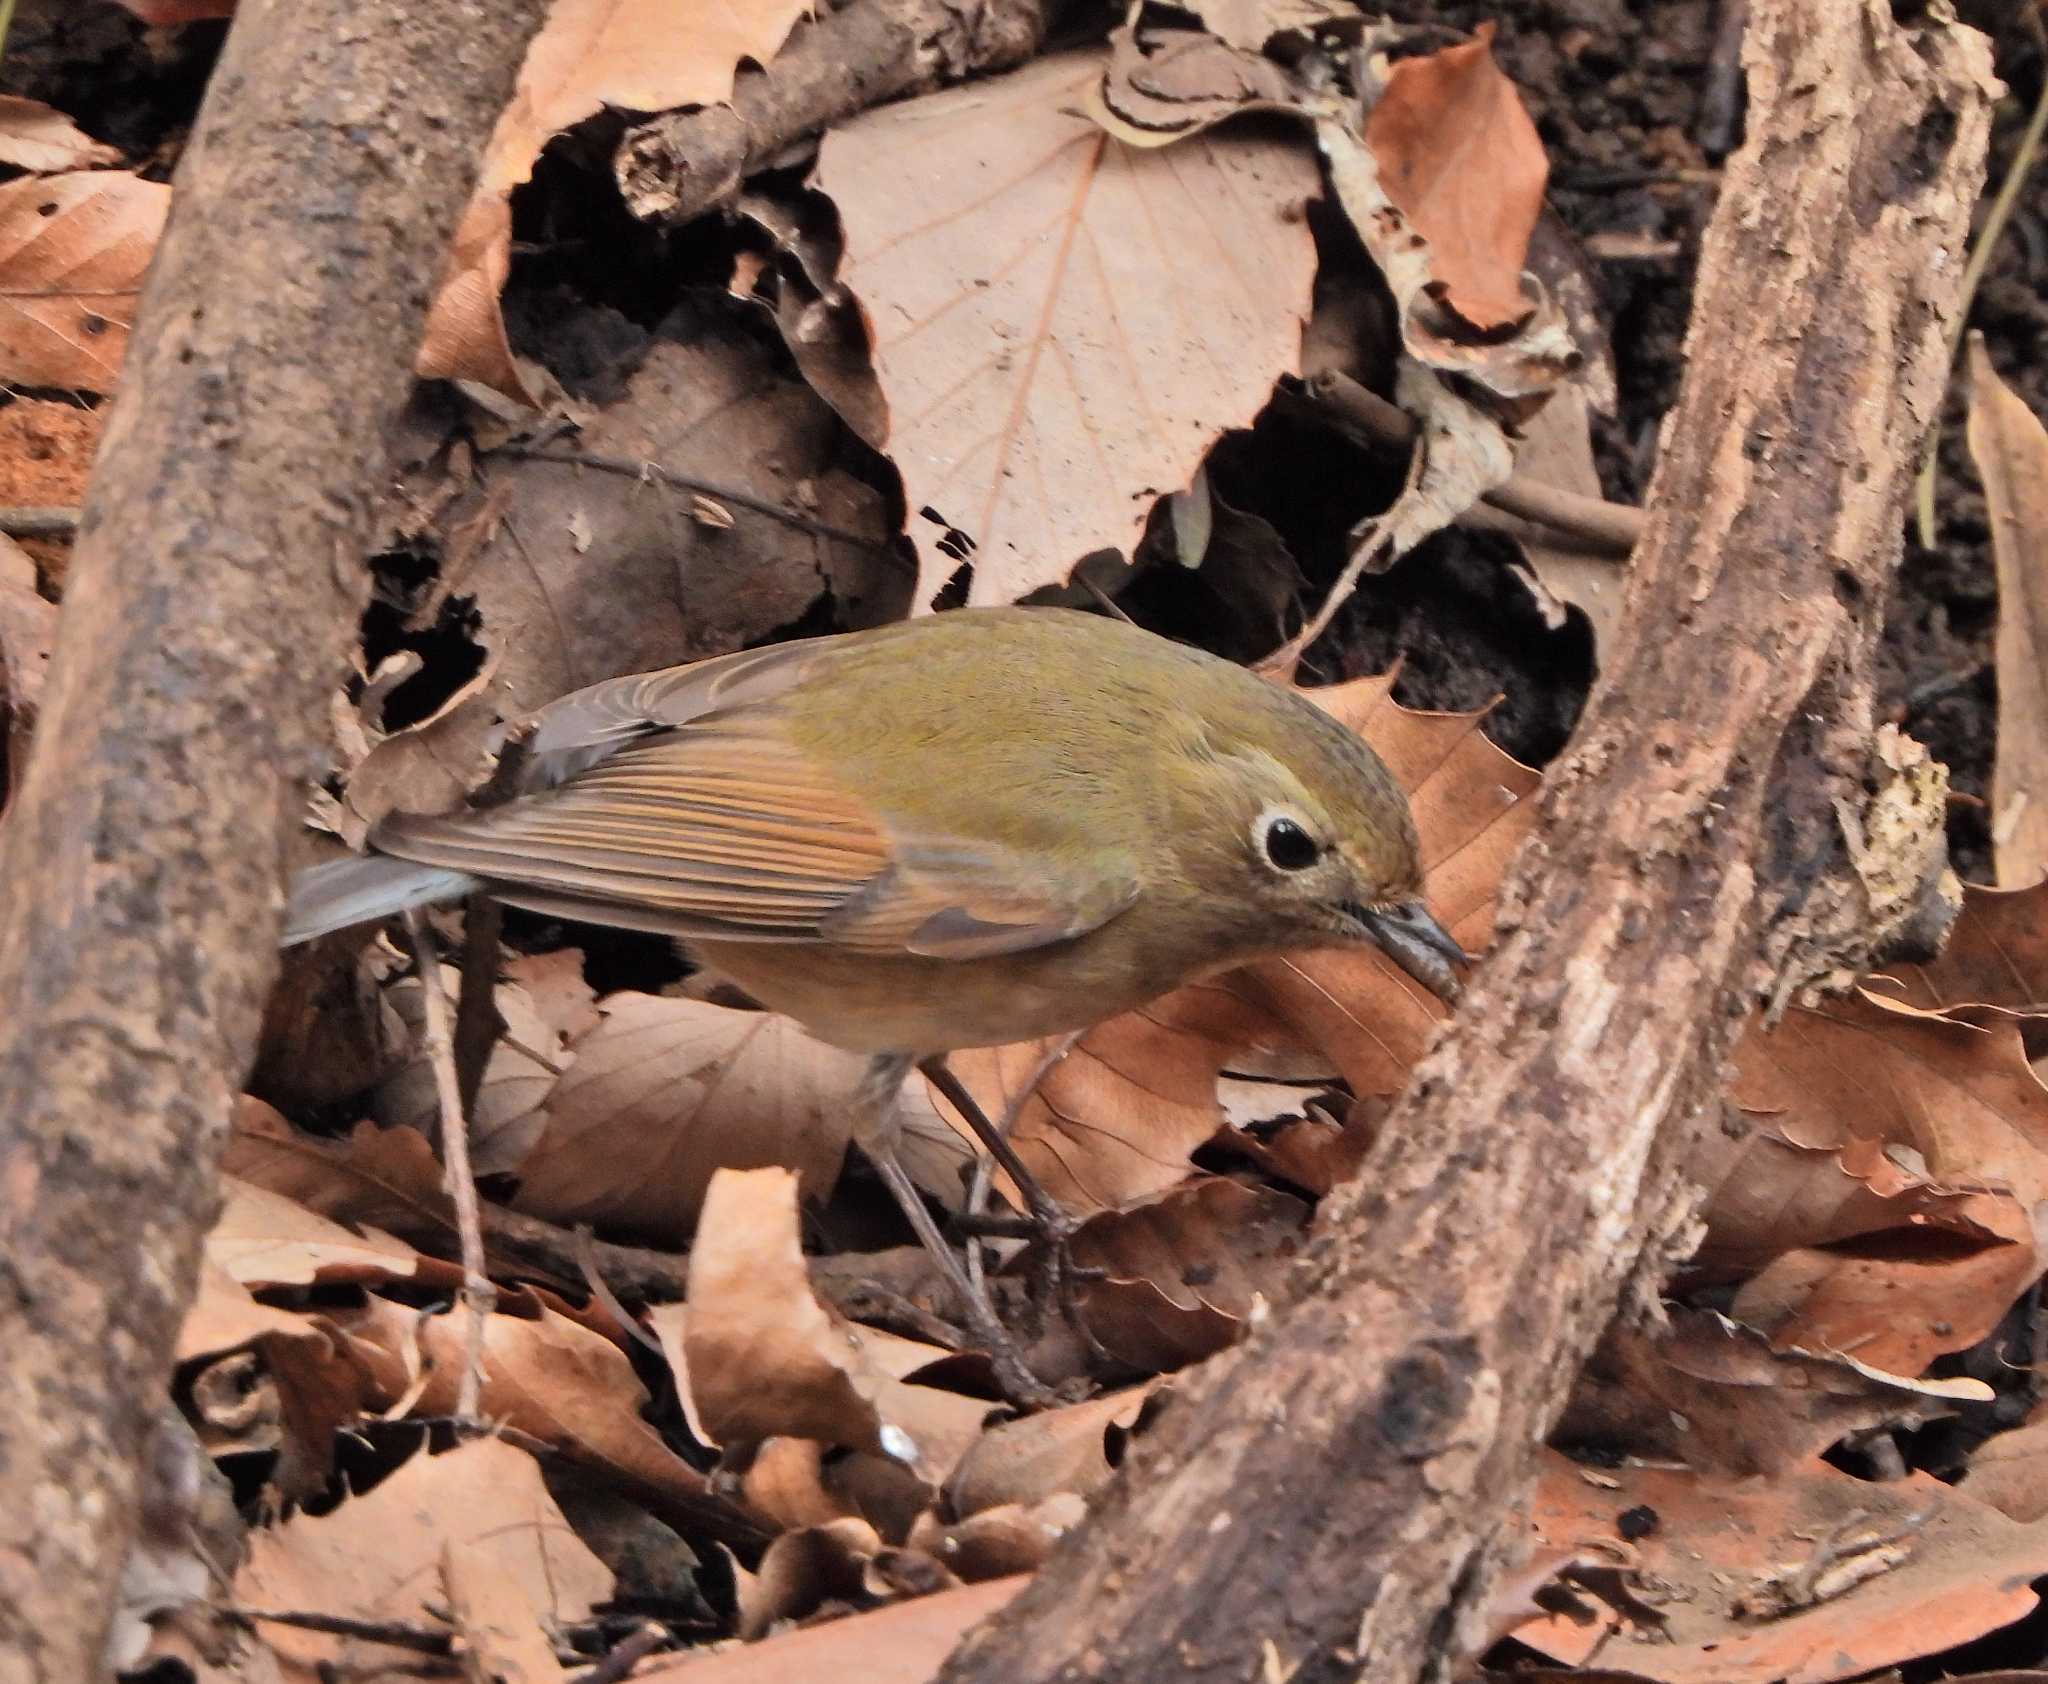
[1284, 842]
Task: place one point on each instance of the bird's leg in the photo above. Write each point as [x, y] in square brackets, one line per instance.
[1050, 1219]
[1050, 1222]
[876, 1130]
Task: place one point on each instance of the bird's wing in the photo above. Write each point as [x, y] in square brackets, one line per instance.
[722, 829]
[583, 728]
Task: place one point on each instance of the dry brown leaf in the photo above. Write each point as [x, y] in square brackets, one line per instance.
[40, 139]
[901, 1643]
[1554, 448]
[73, 249]
[1062, 326]
[1312, 1152]
[2010, 1470]
[1713, 1394]
[375, 1176]
[505, 1638]
[1766, 1195]
[263, 1238]
[555, 983]
[1183, 1269]
[543, 1375]
[1961, 1097]
[842, 1562]
[380, 1556]
[1058, 1451]
[1808, 1577]
[585, 576]
[2010, 447]
[756, 1356]
[1116, 1118]
[665, 1093]
[505, 1118]
[589, 54]
[995, 1543]
[1898, 1300]
[1995, 960]
[1461, 159]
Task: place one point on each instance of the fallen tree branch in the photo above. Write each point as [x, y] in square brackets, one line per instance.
[684, 163]
[215, 587]
[1334, 1499]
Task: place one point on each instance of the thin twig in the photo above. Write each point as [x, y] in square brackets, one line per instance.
[37, 522]
[1592, 524]
[415, 1638]
[625, 1655]
[1987, 240]
[633, 467]
[479, 1297]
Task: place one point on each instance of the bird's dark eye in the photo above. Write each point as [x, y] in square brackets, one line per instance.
[1290, 847]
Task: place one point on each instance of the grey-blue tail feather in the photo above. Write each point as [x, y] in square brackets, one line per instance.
[345, 892]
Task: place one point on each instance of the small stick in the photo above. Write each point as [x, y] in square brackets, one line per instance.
[477, 1021]
[625, 1655]
[633, 467]
[479, 1297]
[39, 522]
[1599, 527]
[416, 1638]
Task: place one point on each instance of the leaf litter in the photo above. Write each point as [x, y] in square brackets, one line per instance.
[1871, 1215]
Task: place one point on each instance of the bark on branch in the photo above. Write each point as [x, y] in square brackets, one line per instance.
[1334, 1498]
[214, 590]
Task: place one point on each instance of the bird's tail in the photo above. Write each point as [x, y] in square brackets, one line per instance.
[345, 892]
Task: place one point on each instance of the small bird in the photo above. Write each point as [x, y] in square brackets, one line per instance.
[963, 830]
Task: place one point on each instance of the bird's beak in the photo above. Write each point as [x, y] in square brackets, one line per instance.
[1410, 936]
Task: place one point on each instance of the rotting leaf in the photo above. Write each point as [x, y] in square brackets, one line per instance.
[2011, 450]
[73, 250]
[1062, 326]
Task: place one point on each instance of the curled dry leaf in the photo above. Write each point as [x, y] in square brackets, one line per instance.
[1899, 1300]
[382, 1177]
[383, 1557]
[665, 1093]
[1715, 1395]
[2011, 450]
[756, 1356]
[73, 250]
[589, 54]
[1461, 160]
[842, 1562]
[37, 138]
[1805, 1578]
[1115, 1119]
[263, 1238]
[1061, 326]
[1059, 1451]
[545, 1376]
[1014, 1538]
[1182, 1269]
